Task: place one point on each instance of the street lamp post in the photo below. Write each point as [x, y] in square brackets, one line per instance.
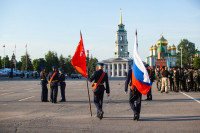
[181, 56]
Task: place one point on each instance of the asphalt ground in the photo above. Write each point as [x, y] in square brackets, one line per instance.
[21, 110]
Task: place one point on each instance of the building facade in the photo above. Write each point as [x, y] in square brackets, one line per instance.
[162, 53]
[121, 63]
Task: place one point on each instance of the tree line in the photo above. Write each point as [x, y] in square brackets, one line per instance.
[51, 59]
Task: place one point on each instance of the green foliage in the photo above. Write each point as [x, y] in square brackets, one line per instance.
[41, 62]
[7, 62]
[197, 62]
[188, 50]
[25, 59]
[51, 60]
[35, 64]
[91, 65]
[19, 65]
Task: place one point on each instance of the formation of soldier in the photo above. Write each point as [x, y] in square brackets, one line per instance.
[56, 77]
[180, 79]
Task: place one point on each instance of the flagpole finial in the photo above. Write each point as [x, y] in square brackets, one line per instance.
[136, 32]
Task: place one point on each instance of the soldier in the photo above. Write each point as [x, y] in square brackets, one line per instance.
[195, 75]
[171, 79]
[53, 84]
[189, 80]
[151, 76]
[158, 80]
[176, 80]
[44, 82]
[62, 85]
[198, 81]
[134, 96]
[181, 73]
[165, 75]
[99, 77]
[184, 80]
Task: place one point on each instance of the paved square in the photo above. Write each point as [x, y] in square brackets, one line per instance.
[21, 110]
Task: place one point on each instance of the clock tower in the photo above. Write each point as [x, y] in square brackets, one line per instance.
[121, 43]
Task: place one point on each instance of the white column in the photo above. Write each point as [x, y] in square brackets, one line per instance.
[108, 70]
[113, 70]
[122, 69]
[117, 69]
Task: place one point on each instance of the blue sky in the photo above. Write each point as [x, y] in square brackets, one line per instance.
[55, 25]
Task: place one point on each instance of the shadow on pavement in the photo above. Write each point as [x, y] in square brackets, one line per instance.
[171, 118]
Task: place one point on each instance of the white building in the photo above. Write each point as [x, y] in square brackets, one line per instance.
[121, 63]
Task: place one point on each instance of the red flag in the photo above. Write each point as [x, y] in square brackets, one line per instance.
[79, 58]
[15, 45]
[161, 65]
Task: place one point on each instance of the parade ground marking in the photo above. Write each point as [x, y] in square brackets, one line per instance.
[191, 97]
[28, 89]
[6, 93]
[26, 98]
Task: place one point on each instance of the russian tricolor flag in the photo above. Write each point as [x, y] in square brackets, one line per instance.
[140, 77]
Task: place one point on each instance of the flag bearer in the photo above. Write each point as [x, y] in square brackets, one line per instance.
[44, 82]
[62, 85]
[135, 96]
[53, 84]
[99, 77]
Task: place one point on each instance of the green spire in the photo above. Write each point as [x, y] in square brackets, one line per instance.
[120, 17]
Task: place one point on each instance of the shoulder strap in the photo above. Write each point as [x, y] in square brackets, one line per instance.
[52, 78]
[99, 80]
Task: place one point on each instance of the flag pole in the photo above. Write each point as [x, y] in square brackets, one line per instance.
[4, 57]
[89, 98]
[88, 91]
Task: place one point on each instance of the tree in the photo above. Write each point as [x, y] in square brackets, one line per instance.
[19, 65]
[7, 62]
[35, 64]
[91, 65]
[197, 62]
[41, 62]
[51, 60]
[70, 69]
[26, 63]
[63, 63]
[188, 50]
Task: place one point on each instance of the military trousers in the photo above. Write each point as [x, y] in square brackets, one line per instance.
[98, 100]
[62, 91]
[44, 93]
[135, 101]
[149, 95]
[54, 93]
[164, 84]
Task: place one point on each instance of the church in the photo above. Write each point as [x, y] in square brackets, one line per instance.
[119, 65]
[162, 54]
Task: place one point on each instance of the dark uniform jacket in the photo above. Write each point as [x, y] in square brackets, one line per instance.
[43, 78]
[129, 83]
[62, 78]
[55, 79]
[96, 76]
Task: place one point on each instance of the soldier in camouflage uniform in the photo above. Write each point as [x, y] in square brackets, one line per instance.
[189, 80]
[176, 80]
[171, 79]
[195, 74]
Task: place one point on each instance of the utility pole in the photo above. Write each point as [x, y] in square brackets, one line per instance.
[181, 57]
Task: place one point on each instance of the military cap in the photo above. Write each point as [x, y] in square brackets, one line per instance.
[42, 67]
[146, 65]
[54, 67]
[100, 64]
[60, 69]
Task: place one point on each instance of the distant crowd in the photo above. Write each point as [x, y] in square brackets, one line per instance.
[177, 79]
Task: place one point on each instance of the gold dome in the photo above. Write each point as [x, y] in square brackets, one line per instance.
[151, 48]
[163, 41]
[169, 48]
[173, 47]
[155, 47]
